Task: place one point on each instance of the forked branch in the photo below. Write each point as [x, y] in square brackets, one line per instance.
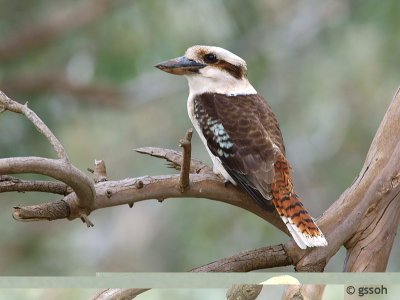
[60, 169]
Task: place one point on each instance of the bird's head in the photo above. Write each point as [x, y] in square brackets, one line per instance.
[210, 69]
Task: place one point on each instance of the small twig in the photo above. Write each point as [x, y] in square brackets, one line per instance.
[186, 144]
[99, 172]
[85, 219]
[16, 107]
[175, 158]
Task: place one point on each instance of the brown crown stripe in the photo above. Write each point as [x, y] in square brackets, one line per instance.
[236, 71]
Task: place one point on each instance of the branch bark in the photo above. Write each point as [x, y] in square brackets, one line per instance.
[118, 294]
[369, 248]
[57, 169]
[186, 144]
[256, 259]
[132, 190]
[244, 291]
[13, 184]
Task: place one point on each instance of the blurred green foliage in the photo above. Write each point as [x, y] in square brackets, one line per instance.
[328, 68]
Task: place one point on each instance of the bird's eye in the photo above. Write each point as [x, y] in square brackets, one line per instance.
[210, 58]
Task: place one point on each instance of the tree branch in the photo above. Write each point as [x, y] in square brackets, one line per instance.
[369, 248]
[256, 259]
[244, 291]
[175, 159]
[55, 168]
[132, 190]
[58, 210]
[13, 184]
[118, 294]
[60, 169]
[13, 106]
[186, 144]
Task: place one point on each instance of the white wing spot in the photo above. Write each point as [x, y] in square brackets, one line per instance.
[220, 136]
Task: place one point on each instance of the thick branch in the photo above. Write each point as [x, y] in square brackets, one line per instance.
[244, 291]
[131, 190]
[256, 259]
[58, 169]
[370, 246]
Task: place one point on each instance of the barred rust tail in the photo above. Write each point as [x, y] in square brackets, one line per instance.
[300, 224]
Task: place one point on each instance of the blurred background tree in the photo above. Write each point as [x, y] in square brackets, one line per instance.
[328, 69]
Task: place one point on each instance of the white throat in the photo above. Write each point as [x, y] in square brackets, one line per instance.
[212, 80]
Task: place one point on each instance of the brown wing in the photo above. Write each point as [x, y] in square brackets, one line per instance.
[242, 130]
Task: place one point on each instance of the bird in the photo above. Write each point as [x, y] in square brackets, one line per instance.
[242, 135]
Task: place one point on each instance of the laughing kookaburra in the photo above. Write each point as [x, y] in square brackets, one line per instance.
[242, 135]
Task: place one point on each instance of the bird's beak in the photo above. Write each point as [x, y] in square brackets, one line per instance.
[180, 66]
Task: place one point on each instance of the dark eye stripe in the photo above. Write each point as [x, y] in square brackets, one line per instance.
[236, 71]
